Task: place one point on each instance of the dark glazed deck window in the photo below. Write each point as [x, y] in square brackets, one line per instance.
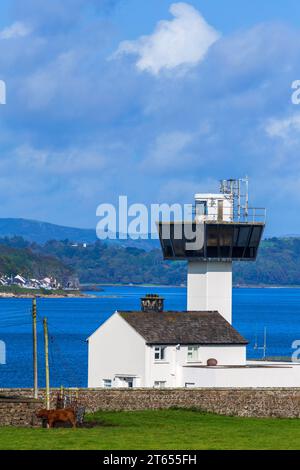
[212, 241]
[255, 237]
[221, 241]
[226, 238]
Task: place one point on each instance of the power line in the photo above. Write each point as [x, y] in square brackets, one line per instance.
[14, 324]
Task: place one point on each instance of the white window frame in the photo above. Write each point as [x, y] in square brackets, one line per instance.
[123, 381]
[190, 385]
[201, 208]
[193, 353]
[107, 383]
[159, 351]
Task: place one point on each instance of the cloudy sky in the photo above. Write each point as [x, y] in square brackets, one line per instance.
[152, 99]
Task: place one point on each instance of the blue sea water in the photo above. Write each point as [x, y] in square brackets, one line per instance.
[71, 321]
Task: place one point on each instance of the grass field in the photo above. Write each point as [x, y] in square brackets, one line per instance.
[165, 429]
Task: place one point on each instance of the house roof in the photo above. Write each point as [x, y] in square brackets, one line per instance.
[190, 327]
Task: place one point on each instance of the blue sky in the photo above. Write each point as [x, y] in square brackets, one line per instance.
[137, 17]
[153, 99]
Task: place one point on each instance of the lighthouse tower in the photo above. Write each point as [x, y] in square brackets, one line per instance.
[224, 229]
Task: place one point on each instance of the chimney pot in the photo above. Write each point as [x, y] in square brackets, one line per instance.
[152, 303]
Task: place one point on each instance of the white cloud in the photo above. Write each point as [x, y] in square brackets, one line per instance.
[16, 30]
[286, 129]
[69, 161]
[182, 41]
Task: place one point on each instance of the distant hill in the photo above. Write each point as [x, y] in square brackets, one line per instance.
[278, 263]
[41, 232]
[104, 263]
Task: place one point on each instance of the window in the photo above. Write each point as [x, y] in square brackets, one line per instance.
[125, 382]
[201, 208]
[189, 385]
[107, 383]
[192, 353]
[159, 384]
[220, 210]
[130, 383]
[159, 353]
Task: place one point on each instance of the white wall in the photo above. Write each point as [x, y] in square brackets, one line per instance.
[163, 371]
[243, 377]
[171, 370]
[209, 287]
[115, 348]
[225, 355]
[212, 206]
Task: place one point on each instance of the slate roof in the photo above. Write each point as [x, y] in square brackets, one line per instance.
[170, 327]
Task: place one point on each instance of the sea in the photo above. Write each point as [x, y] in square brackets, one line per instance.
[72, 320]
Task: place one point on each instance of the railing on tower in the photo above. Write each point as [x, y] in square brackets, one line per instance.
[235, 196]
[253, 214]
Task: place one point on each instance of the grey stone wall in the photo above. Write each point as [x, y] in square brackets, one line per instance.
[279, 402]
[19, 412]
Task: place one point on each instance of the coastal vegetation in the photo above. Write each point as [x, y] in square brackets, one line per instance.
[104, 263]
[159, 429]
[278, 263]
[17, 291]
[19, 257]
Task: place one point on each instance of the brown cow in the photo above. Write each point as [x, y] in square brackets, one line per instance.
[53, 416]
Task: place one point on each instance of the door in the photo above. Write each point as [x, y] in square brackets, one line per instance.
[220, 210]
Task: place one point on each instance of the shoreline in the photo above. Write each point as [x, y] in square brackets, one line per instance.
[93, 294]
[10, 295]
[251, 286]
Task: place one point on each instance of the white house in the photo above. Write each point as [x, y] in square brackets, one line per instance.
[19, 280]
[153, 348]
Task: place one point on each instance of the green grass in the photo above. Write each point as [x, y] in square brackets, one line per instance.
[163, 429]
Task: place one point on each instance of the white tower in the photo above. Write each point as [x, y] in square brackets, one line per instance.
[224, 230]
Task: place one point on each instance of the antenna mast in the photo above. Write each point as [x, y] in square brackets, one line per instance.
[264, 347]
[238, 189]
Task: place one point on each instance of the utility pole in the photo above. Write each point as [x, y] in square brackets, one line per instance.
[35, 362]
[47, 364]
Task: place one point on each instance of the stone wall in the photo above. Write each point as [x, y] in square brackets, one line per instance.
[19, 412]
[279, 402]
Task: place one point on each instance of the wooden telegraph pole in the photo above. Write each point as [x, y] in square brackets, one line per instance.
[35, 362]
[47, 364]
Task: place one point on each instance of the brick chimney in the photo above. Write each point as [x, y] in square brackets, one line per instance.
[152, 303]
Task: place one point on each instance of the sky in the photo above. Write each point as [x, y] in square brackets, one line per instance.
[151, 99]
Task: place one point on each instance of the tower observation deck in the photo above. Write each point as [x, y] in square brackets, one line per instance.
[224, 228]
[229, 229]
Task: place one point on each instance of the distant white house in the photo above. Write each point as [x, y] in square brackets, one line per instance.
[161, 349]
[49, 283]
[19, 280]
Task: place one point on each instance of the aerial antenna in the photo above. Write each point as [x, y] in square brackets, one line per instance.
[264, 347]
[238, 189]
